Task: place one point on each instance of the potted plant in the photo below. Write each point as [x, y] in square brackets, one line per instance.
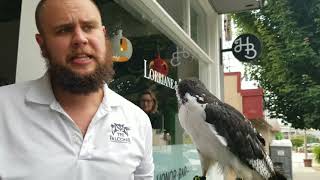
[307, 162]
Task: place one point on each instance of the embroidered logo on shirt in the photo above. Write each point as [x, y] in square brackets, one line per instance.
[120, 133]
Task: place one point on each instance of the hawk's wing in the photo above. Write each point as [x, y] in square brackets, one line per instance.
[242, 139]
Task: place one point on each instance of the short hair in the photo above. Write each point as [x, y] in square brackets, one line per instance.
[154, 99]
[40, 6]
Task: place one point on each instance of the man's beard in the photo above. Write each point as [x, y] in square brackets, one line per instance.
[75, 83]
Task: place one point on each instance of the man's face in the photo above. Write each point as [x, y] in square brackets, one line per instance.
[73, 39]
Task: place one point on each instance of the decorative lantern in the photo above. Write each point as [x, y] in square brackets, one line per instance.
[160, 65]
[121, 47]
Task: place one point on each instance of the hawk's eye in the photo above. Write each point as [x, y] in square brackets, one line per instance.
[200, 99]
[184, 100]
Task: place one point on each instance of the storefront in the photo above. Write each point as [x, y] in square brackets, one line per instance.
[170, 41]
[160, 43]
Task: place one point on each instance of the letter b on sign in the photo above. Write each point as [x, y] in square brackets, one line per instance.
[246, 48]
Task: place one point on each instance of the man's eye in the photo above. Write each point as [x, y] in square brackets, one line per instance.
[87, 28]
[64, 30]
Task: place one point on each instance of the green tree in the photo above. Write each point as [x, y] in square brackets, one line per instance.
[297, 141]
[289, 67]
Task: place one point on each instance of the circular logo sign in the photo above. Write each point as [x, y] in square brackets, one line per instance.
[246, 47]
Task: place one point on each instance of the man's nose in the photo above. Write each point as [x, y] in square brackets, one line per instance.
[79, 37]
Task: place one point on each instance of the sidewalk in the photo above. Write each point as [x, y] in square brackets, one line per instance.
[304, 173]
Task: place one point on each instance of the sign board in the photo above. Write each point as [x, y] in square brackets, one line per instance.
[176, 162]
[158, 77]
[280, 152]
[246, 47]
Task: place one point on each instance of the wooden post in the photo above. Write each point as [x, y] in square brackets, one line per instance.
[305, 145]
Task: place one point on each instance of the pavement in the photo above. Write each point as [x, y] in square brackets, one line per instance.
[298, 170]
[304, 173]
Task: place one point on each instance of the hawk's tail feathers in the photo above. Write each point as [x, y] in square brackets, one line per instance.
[278, 176]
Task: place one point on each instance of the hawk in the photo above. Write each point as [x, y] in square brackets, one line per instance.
[222, 134]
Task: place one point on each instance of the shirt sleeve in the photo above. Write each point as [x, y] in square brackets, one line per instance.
[145, 170]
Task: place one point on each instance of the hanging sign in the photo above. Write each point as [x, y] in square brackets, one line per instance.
[246, 47]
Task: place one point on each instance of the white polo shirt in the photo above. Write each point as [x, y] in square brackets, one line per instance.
[39, 141]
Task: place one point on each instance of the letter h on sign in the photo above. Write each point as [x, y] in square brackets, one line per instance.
[246, 47]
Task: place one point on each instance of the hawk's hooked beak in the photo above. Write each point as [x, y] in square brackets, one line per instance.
[181, 99]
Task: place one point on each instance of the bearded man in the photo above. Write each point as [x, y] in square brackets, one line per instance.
[68, 124]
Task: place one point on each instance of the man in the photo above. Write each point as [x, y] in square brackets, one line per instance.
[69, 124]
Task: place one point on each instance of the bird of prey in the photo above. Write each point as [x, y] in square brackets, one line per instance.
[222, 134]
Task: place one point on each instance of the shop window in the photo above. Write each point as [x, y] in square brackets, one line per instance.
[176, 10]
[194, 18]
[190, 16]
[156, 65]
[9, 25]
[198, 25]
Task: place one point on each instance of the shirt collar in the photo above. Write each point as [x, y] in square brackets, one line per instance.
[41, 91]
[110, 99]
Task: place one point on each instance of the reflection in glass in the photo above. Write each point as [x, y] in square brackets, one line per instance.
[153, 66]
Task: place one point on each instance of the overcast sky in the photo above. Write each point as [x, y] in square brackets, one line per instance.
[231, 64]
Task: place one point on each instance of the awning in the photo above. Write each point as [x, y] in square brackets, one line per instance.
[232, 6]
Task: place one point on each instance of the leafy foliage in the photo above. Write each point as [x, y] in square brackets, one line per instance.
[316, 152]
[289, 68]
[279, 135]
[297, 142]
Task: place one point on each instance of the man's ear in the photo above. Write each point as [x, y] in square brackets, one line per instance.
[105, 31]
[41, 44]
[39, 40]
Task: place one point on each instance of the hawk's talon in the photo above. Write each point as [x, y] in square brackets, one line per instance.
[199, 178]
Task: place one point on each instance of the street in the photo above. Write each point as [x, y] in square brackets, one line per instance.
[304, 173]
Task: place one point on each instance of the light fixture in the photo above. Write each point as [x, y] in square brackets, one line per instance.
[121, 47]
